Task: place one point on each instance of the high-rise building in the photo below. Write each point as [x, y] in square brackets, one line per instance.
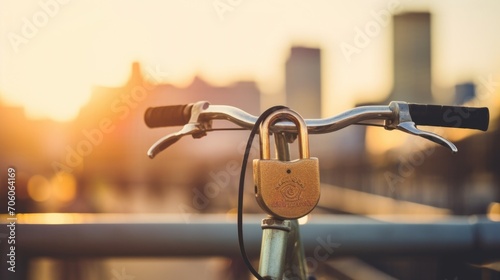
[303, 81]
[412, 57]
[464, 92]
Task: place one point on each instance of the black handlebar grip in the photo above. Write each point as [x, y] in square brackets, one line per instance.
[174, 115]
[450, 116]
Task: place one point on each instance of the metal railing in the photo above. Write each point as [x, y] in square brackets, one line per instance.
[130, 235]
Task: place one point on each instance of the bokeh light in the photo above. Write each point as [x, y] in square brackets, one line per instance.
[39, 188]
[64, 186]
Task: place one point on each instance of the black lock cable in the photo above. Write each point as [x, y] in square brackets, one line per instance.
[254, 131]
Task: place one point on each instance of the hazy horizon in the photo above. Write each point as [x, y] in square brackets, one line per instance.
[54, 52]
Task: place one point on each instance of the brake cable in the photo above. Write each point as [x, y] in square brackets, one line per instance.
[254, 131]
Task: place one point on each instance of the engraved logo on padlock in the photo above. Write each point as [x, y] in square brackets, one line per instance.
[286, 189]
[290, 188]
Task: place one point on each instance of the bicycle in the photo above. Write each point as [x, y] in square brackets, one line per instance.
[281, 248]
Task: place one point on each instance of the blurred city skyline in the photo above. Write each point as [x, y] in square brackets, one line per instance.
[55, 52]
[77, 77]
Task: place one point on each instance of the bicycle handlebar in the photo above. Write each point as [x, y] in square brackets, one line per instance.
[450, 116]
[197, 120]
[163, 116]
[421, 114]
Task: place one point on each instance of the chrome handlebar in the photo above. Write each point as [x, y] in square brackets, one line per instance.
[394, 116]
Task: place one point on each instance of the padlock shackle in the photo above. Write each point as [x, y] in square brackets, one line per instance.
[280, 115]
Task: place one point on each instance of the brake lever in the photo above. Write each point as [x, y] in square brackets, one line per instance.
[167, 141]
[403, 122]
[409, 127]
[195, 127]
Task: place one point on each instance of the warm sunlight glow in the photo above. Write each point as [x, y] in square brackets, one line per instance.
[379, 141]
[39, 188]
[52, 218]
[231, 214]
[49, 81]
[59, 53]
[494, 211]
[64, 186]
[303, 220]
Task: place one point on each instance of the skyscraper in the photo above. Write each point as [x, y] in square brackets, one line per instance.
[303, 81]
[412, 57]
[464, 92]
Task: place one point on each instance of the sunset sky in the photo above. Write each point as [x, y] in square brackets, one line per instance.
[52, 51]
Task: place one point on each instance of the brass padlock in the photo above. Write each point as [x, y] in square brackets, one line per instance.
[286, 189]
